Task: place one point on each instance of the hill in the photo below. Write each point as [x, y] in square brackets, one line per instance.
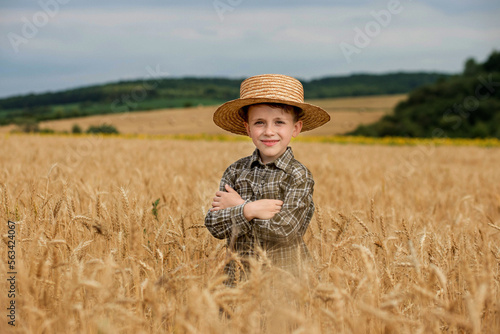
[163, 93]
[347, 114]
[465, 105]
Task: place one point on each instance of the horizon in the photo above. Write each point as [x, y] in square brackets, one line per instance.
[55, 45]
[212, 77]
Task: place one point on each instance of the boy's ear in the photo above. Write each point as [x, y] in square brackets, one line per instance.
[247, 128]
[297, 127]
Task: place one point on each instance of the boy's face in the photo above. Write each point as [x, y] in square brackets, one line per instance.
[271, 130]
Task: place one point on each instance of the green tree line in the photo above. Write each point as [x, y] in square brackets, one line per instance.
[460, 106]
[151, 94]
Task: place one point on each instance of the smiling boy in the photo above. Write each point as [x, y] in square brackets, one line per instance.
[265, 200]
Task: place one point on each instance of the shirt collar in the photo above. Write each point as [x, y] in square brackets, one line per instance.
[282, 162]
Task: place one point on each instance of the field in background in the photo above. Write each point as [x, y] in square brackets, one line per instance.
[405, 239]
[346, 113]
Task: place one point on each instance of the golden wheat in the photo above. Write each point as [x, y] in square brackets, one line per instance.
[404, 239]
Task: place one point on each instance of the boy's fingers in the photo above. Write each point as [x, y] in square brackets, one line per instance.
[229, 189]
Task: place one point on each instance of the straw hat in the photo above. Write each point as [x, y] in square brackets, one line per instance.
[268, 88]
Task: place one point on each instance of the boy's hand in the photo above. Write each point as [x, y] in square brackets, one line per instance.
[262, 209]
[224, 200]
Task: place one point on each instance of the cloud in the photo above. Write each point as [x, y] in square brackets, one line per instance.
[87, 44]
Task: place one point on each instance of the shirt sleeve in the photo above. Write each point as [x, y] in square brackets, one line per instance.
[294, 217]
[229, 222]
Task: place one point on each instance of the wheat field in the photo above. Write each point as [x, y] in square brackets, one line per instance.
[404, 240]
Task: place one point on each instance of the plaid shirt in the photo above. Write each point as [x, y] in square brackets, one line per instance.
[280, 237]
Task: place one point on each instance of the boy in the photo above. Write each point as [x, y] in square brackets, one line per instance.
[265, 200]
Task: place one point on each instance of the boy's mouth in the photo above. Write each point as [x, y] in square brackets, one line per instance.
[269, 142]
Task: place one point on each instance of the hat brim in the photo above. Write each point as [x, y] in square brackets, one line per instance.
[228, 118]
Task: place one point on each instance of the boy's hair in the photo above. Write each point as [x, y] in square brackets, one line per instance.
[297, 112]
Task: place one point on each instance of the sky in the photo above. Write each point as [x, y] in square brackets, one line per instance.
[50, 45]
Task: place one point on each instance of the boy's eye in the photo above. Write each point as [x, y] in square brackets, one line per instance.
[259, 122]
[280, 122]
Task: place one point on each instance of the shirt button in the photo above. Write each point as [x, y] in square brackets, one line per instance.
[262, 182]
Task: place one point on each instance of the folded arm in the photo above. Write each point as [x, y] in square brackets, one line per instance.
[222, 220]
[271, 220]
[295, 213]
[230, 214]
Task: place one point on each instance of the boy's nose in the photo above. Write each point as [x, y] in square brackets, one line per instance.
[269, 130]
